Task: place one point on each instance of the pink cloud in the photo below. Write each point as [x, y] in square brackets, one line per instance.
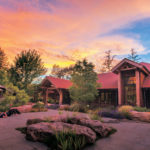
[65, 34]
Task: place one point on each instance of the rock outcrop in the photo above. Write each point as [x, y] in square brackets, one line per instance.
[141, 116]
[44, 130]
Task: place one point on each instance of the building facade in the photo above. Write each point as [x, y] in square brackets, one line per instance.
[127, 84]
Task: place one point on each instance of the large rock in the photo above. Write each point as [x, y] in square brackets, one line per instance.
[23, 108]
[98, 127]
[47, 131]
[141, 116]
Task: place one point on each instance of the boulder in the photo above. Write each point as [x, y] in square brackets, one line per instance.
[46, 131]
[98, 127]
[23, 108]
[141, 116]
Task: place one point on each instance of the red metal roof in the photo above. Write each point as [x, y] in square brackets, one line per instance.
[146, 82]
[108, 80]
[60, 83]
[147, 65]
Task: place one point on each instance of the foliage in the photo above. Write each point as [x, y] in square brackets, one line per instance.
[59, 72]
[27, 66]
[133, 56]
[3, 60]
[22, 130]
[69, 140]
[14, 97]
[96, 117]
[77, 107]
[108, 61]
[84, 79]
[125, 108]
[125, 111]
[38, 107]
[141, 109]
[4, 80]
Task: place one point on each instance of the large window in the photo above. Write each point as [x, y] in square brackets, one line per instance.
[129, 82]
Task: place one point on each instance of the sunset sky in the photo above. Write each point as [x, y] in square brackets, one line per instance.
[64, 31]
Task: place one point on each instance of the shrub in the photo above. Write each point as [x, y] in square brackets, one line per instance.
[78, 107]
[141, 109]
[14, 97]
[38, 107]
[112, 114]
[125, 108]
[96, 117]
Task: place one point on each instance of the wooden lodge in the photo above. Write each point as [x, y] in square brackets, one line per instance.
[127, 84]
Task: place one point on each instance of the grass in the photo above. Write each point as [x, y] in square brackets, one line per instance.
[141, 109]
[69, 141]
[22, 129]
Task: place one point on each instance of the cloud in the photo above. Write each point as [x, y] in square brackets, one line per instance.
[67, 30]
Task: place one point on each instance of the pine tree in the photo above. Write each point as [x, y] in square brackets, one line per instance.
[134, 56]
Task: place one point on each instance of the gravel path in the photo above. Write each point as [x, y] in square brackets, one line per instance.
[130, 135]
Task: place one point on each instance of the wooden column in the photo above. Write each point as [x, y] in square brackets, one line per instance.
[60, 97]
[119, 89]
[138, 88]
[45, 97]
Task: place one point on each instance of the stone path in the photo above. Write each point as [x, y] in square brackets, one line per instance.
[130, 135]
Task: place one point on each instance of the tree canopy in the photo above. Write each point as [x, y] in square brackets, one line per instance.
[27, 66]
[84, 79]
[108, 62]
[3, 60]
[134, 56]
[59, 72]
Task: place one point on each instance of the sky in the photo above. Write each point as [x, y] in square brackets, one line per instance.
[64, 31]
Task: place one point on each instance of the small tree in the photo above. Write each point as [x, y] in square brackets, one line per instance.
[108, 60]
[27, 66]
[59, 72]
[55, 70]
[133, 56]
[84, 79]
[3, 60]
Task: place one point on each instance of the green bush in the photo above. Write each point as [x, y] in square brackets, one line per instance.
[39, 105]
[14, 97]
[141, 109]
[78, 107]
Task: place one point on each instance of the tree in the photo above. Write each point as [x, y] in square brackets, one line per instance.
[59, 72]
[27, 66]
[55, 71]
[3, 60]
[84, 79]
[108, 61]
[133, 56]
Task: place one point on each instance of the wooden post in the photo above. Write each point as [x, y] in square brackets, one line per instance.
[60, 97]
[119, 89]
[45, 96]
[138, 88]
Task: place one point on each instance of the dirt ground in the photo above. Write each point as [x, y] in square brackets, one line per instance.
[129, 136]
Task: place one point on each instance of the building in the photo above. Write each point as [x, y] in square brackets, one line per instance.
[128, 83]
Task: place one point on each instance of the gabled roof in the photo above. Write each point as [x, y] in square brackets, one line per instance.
[108, 80]
[59, 83]
[135, 64]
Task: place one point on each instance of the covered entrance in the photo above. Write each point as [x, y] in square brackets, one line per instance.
[129, 82]
[130, 79]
